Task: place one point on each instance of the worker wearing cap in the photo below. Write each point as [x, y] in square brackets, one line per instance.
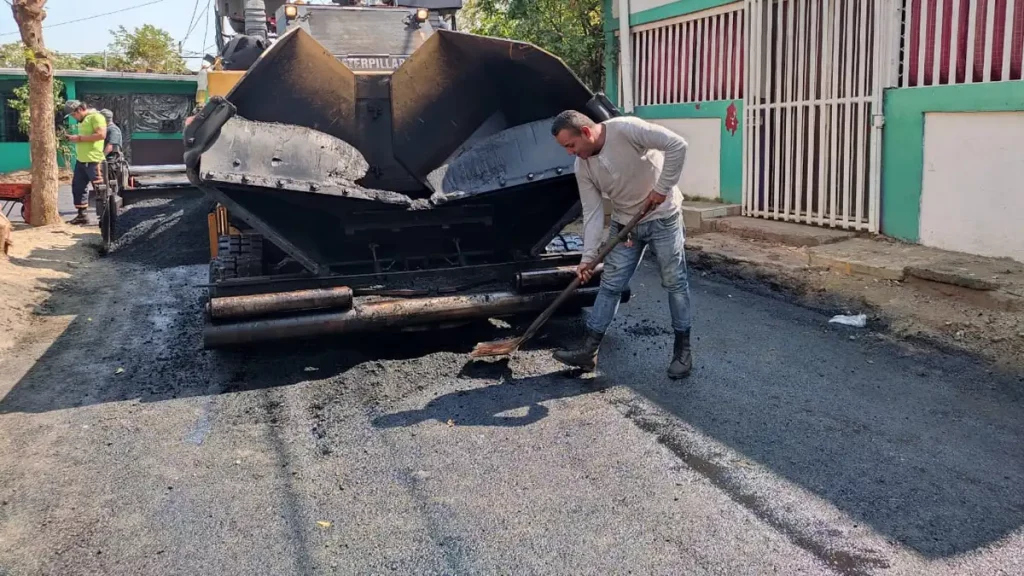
[89, 144]
[114, 141]
[633, 165]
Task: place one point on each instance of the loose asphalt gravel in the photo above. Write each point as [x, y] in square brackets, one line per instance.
[795, 447]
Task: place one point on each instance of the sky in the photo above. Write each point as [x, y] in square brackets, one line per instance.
[93, 36]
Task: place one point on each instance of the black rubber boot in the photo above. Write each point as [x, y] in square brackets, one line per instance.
[682, 361]
[82, 218]
[585, 356]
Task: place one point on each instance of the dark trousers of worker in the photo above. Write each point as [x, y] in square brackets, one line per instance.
[666, 238]
[85, 173]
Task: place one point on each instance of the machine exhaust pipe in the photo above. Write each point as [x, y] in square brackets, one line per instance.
[560, 277]
[255, 305]
[391, 314]
[256, 18]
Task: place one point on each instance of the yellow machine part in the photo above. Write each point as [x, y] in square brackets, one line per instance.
[216, 83]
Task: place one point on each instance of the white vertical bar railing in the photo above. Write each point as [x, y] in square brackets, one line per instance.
[813, 63]
[747, 123]
[722, 50]
[659, 65]
[936, 47]
[849, 41]
[730, 54]
[788, 113]
[755, 99]
[885, 27]
[824, 109]
[954, 38]
[776, 113]
[714, 45]
[674, 62]
[988, 55]
[764, 144]
[637, 72]
[702, 69]
[833, 129]
[990, 22]
[648, 68]
[863, 127]
[906, 52]
[972, 18]
[922, 41]
[691, 60]
[800, 55]
[1007, 39]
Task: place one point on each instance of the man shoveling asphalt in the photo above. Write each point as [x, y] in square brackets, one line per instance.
[632, 164]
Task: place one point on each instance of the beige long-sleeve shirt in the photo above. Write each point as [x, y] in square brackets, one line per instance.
[637, 157]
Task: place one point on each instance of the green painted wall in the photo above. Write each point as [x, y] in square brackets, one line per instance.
[670, 10]
[15, 155]
[731, 165]
[157, 135]
[611, 68]
[903, 142]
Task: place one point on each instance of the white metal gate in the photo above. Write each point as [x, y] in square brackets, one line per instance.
[812, 108]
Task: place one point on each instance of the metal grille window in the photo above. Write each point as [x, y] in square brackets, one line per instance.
[9, 131]
[693, 58]
[811, 136]
[964, 41]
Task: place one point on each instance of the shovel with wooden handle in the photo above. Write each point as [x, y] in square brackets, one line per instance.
[508, 346]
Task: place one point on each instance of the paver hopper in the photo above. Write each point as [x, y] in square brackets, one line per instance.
[374, 200]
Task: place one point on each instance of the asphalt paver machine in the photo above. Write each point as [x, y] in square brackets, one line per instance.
[376, 170]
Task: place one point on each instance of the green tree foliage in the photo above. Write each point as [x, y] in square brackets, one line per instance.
[93, 61]
[145, 49]
[20, 104]
[569, 29]
[12, 55]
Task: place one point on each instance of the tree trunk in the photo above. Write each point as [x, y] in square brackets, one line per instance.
[29, 15]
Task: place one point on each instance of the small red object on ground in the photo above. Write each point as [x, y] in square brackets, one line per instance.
[16, 192]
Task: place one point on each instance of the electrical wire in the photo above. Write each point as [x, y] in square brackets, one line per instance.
[93, 17]
[206, 24]
[191, 19]
[194, 24]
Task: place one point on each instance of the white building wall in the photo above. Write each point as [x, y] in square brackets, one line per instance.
[972, 197]
[701, 173]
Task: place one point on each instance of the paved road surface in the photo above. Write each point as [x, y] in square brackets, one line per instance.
[795, 447]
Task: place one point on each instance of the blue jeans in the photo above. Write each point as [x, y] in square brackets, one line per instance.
[85, 173]
[665, 238]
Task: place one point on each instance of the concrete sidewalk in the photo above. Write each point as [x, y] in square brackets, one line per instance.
[963, 301]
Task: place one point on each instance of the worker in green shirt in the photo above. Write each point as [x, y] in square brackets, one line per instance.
[92, 131]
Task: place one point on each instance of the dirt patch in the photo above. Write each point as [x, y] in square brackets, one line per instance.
[41, 261]
[64, 176]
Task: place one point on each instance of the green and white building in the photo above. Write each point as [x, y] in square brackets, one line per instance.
[150, 109]
[904, 117]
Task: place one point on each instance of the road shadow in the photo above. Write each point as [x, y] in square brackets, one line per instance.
[509, 403]
[142, 340]
[922, 446]
[163, 232]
